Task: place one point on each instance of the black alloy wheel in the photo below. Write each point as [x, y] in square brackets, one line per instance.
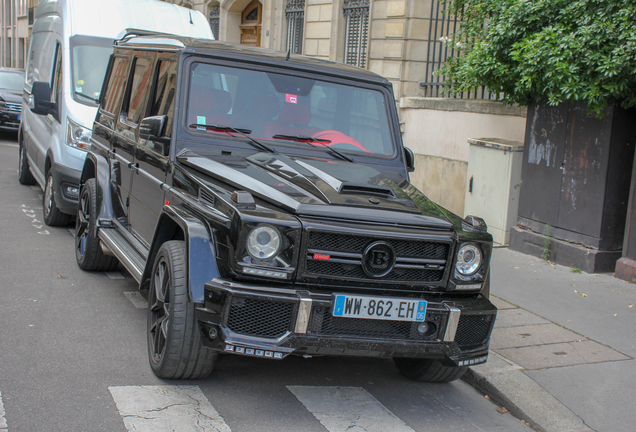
[428, 370]
[88, 251]
[175, 350]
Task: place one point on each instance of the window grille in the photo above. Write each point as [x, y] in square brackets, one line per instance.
[356, 14]
[440, 48]
[295, 14]
[215, 12]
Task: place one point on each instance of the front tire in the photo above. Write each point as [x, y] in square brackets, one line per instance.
[52, 215]
[427, 370]
[24, 172]
[88, 251]
[175, 350]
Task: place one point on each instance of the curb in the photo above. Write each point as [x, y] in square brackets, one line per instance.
[506, 384]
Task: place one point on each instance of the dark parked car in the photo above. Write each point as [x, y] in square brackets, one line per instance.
[11, 86]
[262, 203]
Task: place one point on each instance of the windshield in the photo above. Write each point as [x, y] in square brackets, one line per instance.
[89, 60]
[345, 117]
[12, 81]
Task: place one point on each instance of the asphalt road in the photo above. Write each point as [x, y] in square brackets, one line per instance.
[73, 357]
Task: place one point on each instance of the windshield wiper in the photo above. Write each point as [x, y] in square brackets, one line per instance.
[243, 132]
[91, 98]
[307, 139]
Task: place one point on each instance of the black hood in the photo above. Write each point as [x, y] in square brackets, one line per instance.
[320, 187]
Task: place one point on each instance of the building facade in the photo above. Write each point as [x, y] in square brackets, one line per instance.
[16, 21]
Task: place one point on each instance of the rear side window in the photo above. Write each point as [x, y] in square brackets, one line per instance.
[163, 98]
[133, 108]
[116, 84]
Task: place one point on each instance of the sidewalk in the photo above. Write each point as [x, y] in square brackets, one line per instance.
[562, 351]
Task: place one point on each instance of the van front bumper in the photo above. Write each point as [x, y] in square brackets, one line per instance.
[269, 322]
[66, 188]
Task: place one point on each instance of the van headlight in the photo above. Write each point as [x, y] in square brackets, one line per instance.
[78, 136]
[263, 242]
[468, 259]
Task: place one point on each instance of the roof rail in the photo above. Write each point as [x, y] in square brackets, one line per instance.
[130, 33]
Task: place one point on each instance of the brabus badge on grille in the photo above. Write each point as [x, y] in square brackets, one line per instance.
[378, 259]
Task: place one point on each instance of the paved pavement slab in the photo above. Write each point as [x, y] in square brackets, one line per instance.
[525, 336]
[518, 317]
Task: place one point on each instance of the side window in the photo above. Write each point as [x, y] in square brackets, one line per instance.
[163, 97]
[133, 107]
[56, 79]
[116, 84]
[40, 62]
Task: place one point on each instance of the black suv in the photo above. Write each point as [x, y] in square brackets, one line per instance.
[262, 202]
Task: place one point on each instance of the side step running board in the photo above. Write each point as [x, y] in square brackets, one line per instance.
[127, 255]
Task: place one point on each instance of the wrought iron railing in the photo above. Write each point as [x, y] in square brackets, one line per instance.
[215, 12]
[295, 14]
[356, 14]
[440, 48]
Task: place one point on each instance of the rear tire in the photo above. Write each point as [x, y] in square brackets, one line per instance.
[88, 251]
[175, 350]
[427, 370]
[52, 215]
[24, 172]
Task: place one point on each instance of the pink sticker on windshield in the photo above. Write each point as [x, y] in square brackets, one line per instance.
[291, 98]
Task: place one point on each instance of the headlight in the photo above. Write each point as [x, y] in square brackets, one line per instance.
[263, 242]
[78, 136]
[468, 259]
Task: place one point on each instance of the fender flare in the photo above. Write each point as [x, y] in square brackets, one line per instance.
[200, 250]
[98, 168]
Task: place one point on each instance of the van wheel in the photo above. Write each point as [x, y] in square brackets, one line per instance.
[175, 350]
[428, 370]
[24, 172]
[52, 215]
[88, 251]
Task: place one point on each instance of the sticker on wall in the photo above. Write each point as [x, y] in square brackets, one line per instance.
[291, 98]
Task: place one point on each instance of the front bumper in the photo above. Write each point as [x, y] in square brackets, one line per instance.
[9, 120]
[272, 322]
[66, 188]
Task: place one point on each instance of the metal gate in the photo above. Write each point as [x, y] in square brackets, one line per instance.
[295, 14]
[356, 14]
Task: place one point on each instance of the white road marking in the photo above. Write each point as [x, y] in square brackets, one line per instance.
[136, 299]
[115, 275]
[3, 420]
[36, 188]
[10, 145]
[341, 409]
[166, 408]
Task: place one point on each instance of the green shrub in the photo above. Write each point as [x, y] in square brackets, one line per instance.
[546, 50]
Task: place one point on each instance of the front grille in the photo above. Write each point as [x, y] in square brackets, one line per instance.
[15, 107]
[473, 329]
[416, 261]
[262, 318]
[322, 322]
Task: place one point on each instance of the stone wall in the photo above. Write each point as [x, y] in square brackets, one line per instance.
[437, 130]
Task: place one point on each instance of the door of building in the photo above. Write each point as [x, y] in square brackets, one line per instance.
[251, 24]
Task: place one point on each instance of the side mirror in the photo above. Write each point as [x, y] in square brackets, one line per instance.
[42, 104]
[409, 158]
[151, 129]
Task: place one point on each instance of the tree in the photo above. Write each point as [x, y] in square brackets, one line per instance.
[546, 50]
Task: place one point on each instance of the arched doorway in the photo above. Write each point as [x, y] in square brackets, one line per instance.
[252, 17]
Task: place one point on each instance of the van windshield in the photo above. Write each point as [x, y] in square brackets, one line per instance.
[89, 60]
[291, 110]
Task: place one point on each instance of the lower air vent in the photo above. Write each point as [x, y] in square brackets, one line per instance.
[473, 329]
[262, 318]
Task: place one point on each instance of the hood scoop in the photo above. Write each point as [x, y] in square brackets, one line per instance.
[377, 191]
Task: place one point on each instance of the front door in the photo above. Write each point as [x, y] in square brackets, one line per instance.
[251, 24]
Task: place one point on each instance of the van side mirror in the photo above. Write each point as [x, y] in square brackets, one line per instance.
[42, 104]
[409, 158]
[152, 129]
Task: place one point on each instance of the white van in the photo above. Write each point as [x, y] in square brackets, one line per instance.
[69, 52]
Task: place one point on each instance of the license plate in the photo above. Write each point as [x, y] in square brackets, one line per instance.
[380, 308]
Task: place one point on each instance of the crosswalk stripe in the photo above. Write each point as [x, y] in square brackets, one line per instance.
[341, 409]
[166, 408]
[3, 420]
